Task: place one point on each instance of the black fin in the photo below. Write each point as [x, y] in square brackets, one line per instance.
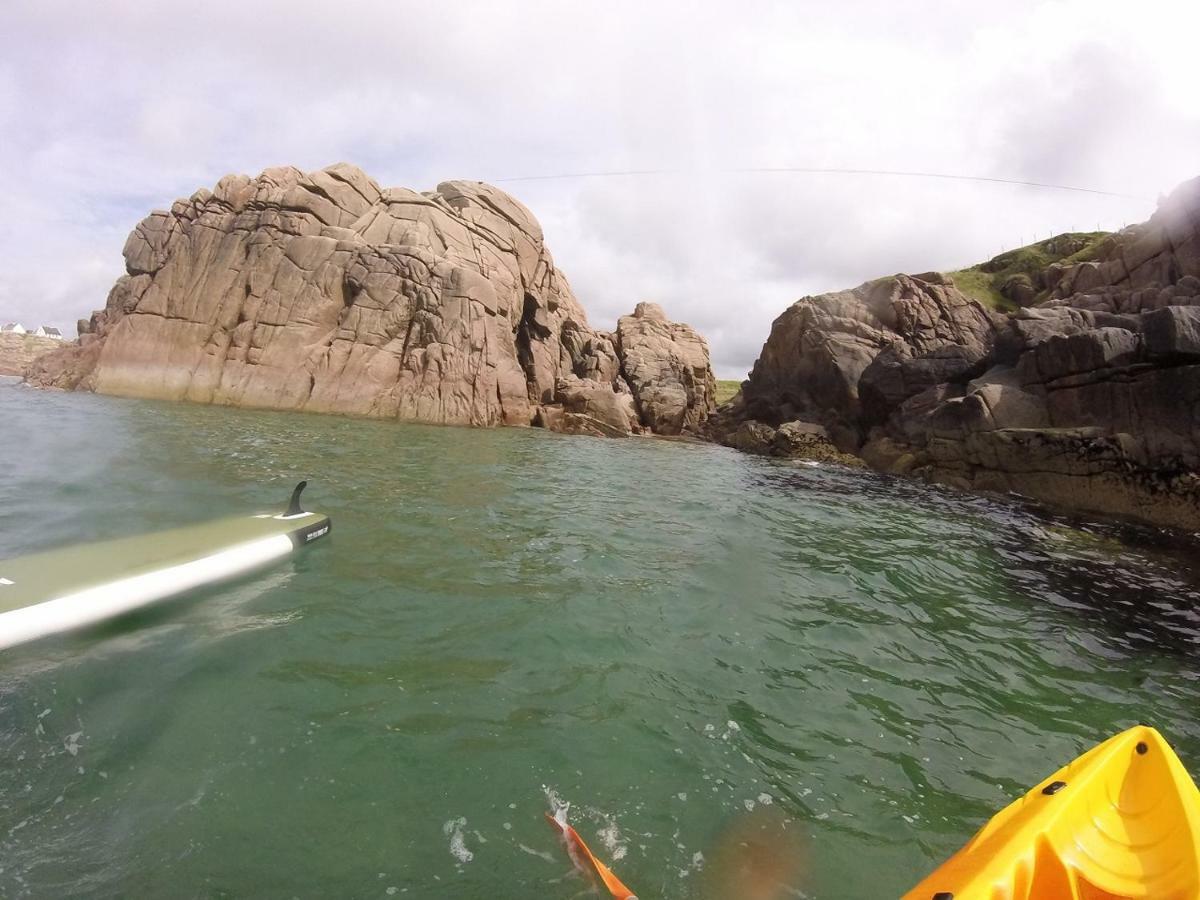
[294, 504]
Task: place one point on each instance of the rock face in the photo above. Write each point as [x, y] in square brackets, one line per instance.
[837, 358]
[666, 365]
[1089, 400]
[323, 292]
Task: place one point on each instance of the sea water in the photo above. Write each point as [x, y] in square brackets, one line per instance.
[679, 643]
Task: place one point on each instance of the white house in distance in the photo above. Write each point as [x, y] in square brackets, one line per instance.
[46, 331]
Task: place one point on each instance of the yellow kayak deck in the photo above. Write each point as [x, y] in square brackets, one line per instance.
[1121, 821]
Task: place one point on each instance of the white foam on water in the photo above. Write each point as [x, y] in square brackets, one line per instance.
[540, 854]
[72, 743]
[766, 799]
[558, 807]
[458, 843]
[610, 835]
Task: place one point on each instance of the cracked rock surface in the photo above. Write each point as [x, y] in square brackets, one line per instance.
[324, 292]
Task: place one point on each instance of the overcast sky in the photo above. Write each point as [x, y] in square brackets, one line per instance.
[109, 110]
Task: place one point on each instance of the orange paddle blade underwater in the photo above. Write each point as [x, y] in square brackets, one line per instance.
[579, 850]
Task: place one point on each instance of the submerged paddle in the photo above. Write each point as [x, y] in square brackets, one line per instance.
[579, 853]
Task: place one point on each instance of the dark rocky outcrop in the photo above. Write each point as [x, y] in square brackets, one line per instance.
[1089, 399]
[837, 359]
[323, 292]
[791, 440]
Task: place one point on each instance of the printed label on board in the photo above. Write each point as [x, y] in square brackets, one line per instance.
[302, 536]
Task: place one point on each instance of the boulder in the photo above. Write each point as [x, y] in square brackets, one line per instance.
[813, 364]
[599, 401]
[1172, 333]
[1085, 351]
[556, 418]
[1019, 288]
[895, 375]
[753, 437]
[667, 367]
[807, 440]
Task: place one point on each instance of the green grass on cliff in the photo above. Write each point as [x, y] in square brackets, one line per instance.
[985, 281]
[979, 285]
[726, 390]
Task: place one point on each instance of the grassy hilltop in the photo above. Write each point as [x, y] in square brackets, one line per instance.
[1002, 281]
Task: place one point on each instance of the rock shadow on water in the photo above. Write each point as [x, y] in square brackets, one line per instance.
[1138, 583]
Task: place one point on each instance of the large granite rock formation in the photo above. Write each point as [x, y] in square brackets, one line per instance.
[1088, 399]
[324, 292]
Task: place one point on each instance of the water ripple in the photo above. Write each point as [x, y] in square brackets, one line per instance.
[676, 637]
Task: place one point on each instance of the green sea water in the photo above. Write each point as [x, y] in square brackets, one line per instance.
[680, 641]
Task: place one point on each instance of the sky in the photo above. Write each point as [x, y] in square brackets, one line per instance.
[109, 110]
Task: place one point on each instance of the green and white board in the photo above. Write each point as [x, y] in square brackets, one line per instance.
[61, 590]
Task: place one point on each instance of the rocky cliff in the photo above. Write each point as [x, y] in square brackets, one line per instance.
[1087, 398]
[323, 292]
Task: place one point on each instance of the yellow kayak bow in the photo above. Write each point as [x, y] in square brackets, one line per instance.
[1121, 821]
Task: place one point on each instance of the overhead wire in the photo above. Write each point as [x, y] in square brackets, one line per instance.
[825, 170]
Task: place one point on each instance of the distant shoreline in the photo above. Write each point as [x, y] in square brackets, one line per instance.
[18, 351]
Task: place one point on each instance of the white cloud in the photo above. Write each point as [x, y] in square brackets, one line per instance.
[108, 110]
